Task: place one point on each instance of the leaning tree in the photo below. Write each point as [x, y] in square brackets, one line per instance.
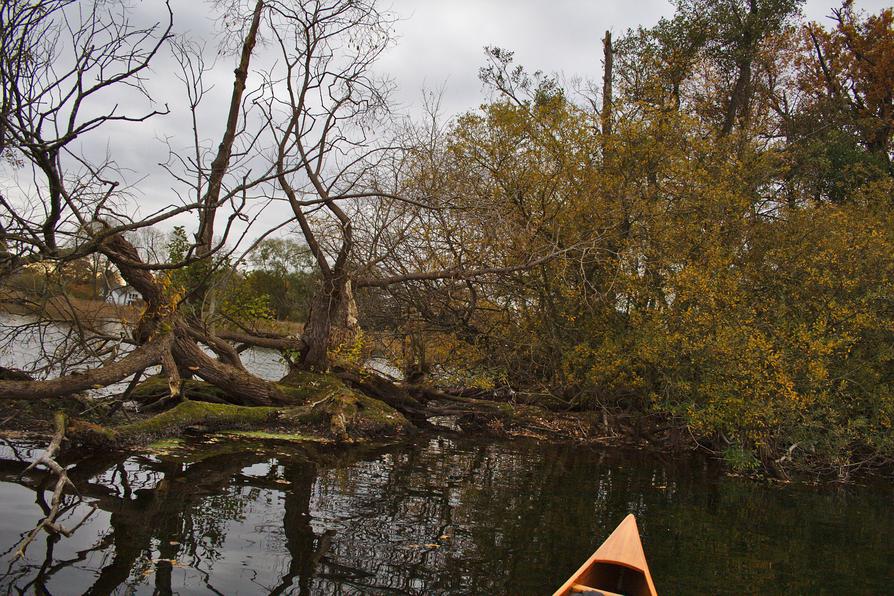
[308, 142]
[68, 69]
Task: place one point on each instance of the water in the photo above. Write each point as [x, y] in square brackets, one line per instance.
[442, 516]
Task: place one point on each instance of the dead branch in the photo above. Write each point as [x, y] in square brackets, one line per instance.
[46, 459]
[262, 341]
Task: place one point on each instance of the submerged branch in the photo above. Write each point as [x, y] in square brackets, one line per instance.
[46, 459]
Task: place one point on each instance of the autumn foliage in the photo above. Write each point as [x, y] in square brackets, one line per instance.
[728, 247]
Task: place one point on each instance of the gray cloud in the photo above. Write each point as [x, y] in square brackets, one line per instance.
[440, 44]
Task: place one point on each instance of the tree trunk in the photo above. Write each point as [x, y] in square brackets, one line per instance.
[205, 235]
[331, 322]
[740, 99]
[244, 388]
[606, 116]
[739, 106]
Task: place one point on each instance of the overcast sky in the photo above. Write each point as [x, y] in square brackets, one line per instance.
[439, 47]
[441, 42]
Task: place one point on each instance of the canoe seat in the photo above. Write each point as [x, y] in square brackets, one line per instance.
[585, 590]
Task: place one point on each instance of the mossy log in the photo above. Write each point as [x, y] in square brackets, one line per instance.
[325, 408]
[300, 388]
[347, 416]
[173, 422]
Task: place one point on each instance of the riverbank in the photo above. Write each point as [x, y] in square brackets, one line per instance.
[327, 409]
[66, 309]
[86, 311]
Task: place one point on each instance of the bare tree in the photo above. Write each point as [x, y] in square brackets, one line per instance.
[314, 131]
[63, 62]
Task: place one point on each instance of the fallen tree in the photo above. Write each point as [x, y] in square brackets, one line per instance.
[297, 132]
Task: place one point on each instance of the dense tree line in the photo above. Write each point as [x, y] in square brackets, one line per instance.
[705, 236]
[724, 208]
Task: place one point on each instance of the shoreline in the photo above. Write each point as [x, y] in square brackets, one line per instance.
[292, 426]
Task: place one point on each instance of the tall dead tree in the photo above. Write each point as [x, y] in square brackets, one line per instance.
[205, 234]
[607, 65]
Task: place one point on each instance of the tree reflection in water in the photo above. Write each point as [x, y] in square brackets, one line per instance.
[437, 517]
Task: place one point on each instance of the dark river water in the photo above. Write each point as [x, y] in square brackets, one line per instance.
[441, 516]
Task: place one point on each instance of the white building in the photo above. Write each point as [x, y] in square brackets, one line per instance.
[123, 296]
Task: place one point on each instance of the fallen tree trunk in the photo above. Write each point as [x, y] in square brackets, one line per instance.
[141, 357]
[272, 342]
[243, 387]
[172, 422]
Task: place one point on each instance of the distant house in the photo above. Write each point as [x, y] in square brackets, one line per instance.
[123, 296]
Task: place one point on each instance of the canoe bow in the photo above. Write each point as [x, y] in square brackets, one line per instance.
[617, 567]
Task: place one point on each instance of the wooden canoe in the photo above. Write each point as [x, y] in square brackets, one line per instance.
[617, 567]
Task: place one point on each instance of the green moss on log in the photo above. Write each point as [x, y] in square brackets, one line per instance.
[192, 413]
[347, 415]
[173, 422]
[156, 387]
[299, 387]
[304, 387]
[279, 437]
[325, 409]
[165, 446]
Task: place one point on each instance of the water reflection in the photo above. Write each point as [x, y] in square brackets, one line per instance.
[434, 518]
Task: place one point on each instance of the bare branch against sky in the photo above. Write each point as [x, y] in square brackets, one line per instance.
[440, 43]
[439, 47]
